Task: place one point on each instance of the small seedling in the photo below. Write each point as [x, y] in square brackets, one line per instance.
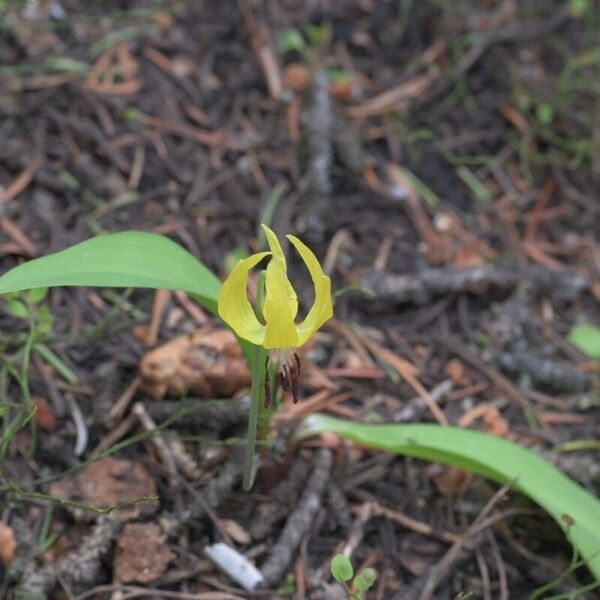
[579, 8]
[356, 587]
[311, 38]
[544, 113]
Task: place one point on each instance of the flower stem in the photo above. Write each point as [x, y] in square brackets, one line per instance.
[257, 401]
[257, 367]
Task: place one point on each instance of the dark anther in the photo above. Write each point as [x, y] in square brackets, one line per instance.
[294, 374]
[285, 378]
[288, 378]
[267, 384]
[294, 382]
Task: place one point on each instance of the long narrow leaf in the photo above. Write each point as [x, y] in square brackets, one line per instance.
[492, 457]
[126, 259]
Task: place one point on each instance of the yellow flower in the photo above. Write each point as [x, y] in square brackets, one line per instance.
[281, 304]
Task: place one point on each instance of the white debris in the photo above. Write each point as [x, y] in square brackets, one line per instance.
[235, 565]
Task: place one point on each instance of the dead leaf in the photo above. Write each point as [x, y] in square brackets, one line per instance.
[115, 72]
[163, 19]
[451, 481]
[8, 544]
[342, 90]
[142, 553]
[44, 415]
[205, 363]
[110, 482]
[235, 531]
[492, 420]
[467, 257]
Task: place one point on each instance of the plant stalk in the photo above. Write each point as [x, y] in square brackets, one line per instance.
[257, 398]
[257, 368]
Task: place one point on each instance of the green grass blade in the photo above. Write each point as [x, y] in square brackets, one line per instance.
[587, 339]
[126, 259]
[489, 456]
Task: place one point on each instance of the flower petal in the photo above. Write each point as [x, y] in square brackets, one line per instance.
[286, 290]
[278, 310]
[322, 309]
[233, 304]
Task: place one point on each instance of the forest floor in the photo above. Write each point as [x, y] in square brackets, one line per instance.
[443, 161]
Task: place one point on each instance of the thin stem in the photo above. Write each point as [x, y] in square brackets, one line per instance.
[257, 400]
[257, 367]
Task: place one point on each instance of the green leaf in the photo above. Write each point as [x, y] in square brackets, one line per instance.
[365, 579]
[122, 35]
[338, 75]
[579, 8]
[575, 510]
[52, 359]
[587, 339]
[126, 259]
[16, 308]
[64, 64]
[318, 35]
[544, 113]
[341, 568]
[36, 295]
[290, 40]
[477, 188]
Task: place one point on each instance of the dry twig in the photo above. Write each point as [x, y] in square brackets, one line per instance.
[80, 566]
[420, 288]
[300, 520]
[442, 568]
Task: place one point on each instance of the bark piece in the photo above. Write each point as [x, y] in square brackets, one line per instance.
[420, 288]
[80, 566]
[559, 376]
[318, 124]
[214, 416]
[8, 544]
[110, 482]
[142, 553]
[44, 415]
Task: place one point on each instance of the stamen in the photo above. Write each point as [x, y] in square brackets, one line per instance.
[295, 394]
[267, 384]
[288, 375]
[294, 374]
[285, 378]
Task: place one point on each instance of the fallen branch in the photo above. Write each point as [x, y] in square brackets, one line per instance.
[420, 288]
[300, 520]
[558, 376]
[80, 566]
